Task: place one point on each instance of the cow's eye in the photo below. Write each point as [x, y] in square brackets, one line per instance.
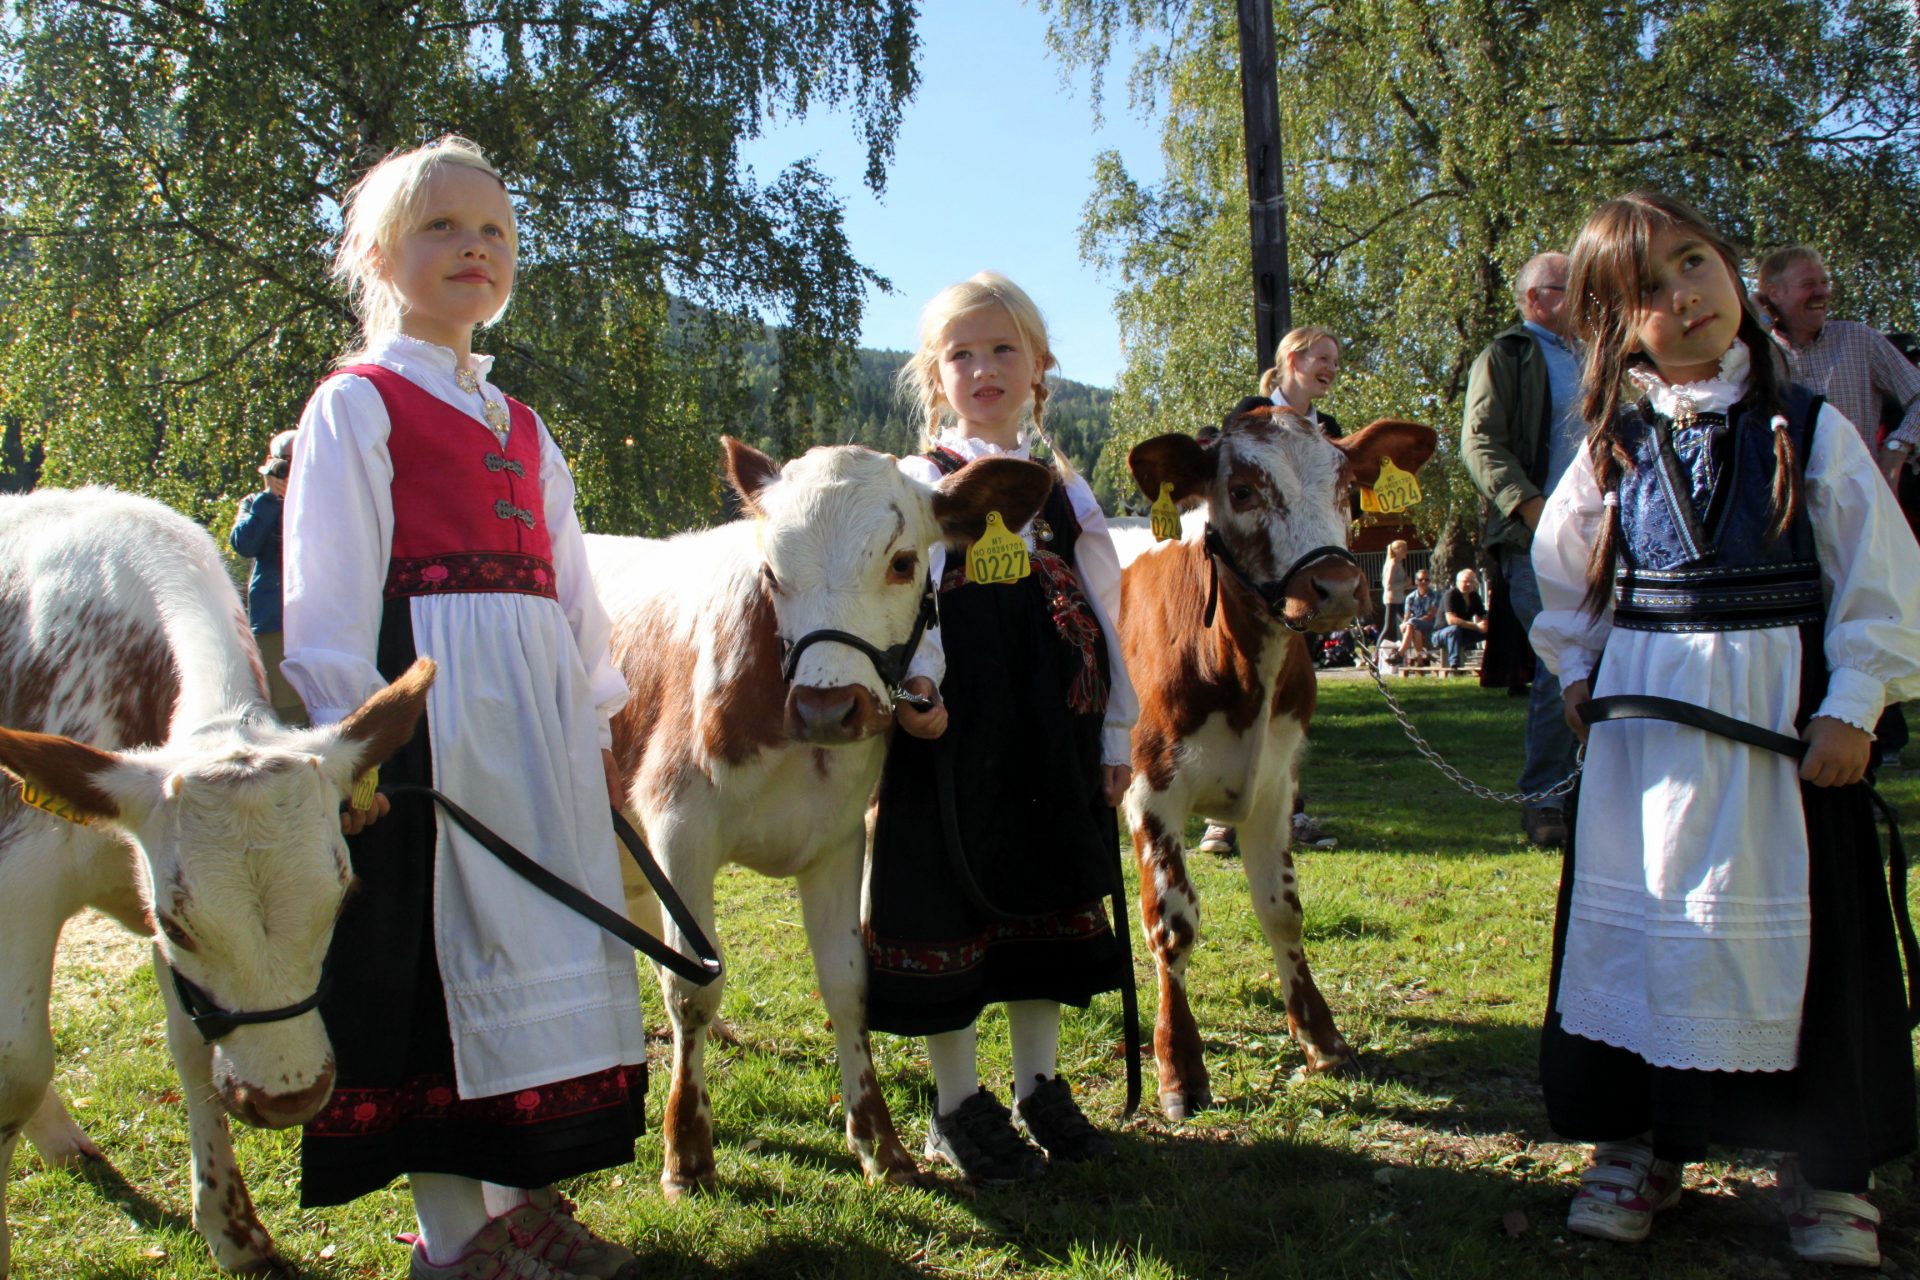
[1240, 493]
[767, 576]
[901, 568]
[175, 934]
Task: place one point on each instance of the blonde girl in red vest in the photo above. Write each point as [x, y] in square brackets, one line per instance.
[487, 1042]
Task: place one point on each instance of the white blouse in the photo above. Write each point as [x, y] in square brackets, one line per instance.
[1095, 562]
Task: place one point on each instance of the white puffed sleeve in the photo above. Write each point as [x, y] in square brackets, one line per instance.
[1098, 565]
[1564, 636]
[338, 534]
[930, 659]
[586, 616]
[1870, 571]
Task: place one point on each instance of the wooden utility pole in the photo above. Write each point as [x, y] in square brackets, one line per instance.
[1266, 193]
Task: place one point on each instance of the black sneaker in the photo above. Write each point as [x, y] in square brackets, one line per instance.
[977, 1138]
[1054, 1121]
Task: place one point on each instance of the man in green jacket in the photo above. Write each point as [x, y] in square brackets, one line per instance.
[1521, 430]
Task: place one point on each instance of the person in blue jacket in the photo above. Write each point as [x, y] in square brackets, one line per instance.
[256, 535]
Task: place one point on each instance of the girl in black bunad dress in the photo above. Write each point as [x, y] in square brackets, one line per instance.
[995, 842]
[1725, 961]
[488, 1042]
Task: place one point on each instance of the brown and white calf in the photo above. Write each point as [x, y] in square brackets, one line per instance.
[1224, 708]
[726, 760]
[137, 704]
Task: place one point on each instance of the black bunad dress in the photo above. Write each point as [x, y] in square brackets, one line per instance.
[994, 848]
[1695, 558]
[467, 519]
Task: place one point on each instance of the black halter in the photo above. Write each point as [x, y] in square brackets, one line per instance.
[213, 1022]
[1272, 594]
[890, 663]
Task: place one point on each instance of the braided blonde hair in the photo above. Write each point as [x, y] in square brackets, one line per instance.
[918, 381]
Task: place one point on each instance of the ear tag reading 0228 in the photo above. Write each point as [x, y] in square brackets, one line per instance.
[1164, 516]
[364, 789]
[47, 802]
[1393, 491]
[998, 555]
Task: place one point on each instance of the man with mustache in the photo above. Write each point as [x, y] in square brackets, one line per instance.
[1860, 373]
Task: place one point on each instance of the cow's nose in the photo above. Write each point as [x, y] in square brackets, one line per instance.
[824, 715]
[266, 1109]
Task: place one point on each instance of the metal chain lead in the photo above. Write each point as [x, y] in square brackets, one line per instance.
[1466, 784]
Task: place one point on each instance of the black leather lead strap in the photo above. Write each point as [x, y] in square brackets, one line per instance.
[700, 971]
[1640, 706]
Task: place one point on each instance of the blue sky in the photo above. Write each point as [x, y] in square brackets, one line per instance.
[993, 166]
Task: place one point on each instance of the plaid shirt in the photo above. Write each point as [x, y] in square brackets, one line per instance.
[1859, 372]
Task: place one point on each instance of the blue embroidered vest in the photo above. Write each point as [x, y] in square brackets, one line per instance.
[1694, 513]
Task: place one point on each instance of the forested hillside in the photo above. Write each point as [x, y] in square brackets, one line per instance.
[861, 407]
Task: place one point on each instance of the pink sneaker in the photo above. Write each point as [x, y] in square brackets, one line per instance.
[546, 1228]
[1621, 1191]
[1835, 1227]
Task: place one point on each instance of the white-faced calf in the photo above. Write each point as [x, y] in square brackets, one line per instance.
[136, 710]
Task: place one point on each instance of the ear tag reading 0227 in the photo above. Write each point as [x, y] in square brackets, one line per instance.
[998, 555]
[1393, 490]
[1164, 516]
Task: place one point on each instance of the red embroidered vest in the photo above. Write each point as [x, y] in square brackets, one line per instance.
[467, 514]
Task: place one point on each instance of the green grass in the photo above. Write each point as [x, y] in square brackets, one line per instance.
[1427, 928]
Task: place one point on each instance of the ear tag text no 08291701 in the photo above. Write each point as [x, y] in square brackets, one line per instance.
[998, 555]
[1164, 516]
[1394, 490]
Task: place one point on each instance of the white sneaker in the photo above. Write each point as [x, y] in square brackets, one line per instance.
[1835, 1227]
[1621, 1191]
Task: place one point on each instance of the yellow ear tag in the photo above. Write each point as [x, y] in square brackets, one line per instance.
[998, 555]
[47, 802]
[1164, 515]
[363, 789]
[1394, 490]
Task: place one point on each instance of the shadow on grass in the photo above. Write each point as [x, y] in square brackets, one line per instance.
[111, 1186]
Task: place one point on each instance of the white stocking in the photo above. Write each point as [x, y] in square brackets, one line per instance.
[956, 1067]
[1035, 1028]
[451, 1210]
[502, 1199]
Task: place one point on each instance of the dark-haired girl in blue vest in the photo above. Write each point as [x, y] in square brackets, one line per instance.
[1726, 967]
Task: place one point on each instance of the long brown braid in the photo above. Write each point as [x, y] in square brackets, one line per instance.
[1607, 272]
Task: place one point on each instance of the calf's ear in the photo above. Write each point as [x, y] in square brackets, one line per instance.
[1176, 459]
[748, 471]
[1014, 488]
[380, 726]
[66, 778]
[1408, 443]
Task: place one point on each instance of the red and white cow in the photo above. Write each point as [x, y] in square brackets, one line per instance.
[727, 760]
[1224, 708]
[138, 707]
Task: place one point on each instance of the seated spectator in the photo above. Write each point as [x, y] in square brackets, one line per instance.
[1422, 616]
[1465, 614]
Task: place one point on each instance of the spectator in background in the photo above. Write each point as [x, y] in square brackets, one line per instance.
[1859, 372]
[256, 535]
[1396, 577]
[1466, 618]
[1521, 429]
[1423, 615]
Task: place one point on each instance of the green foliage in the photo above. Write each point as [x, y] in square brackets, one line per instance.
[1432, 146]
[170, 180]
